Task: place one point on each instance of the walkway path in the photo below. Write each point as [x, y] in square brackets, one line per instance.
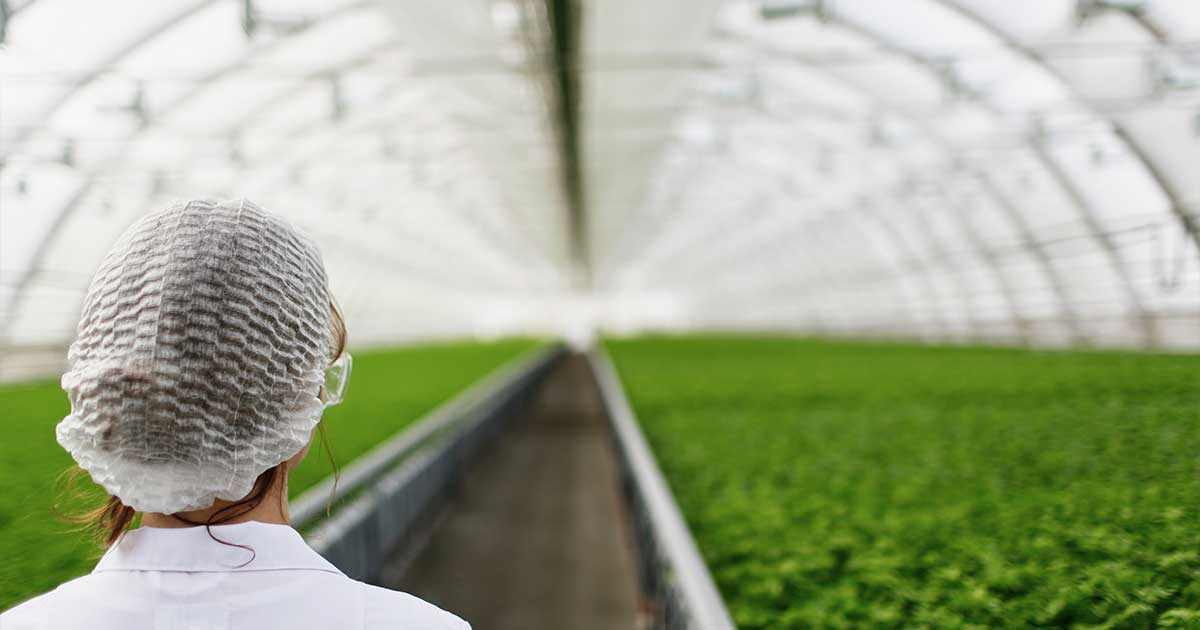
[535, 539]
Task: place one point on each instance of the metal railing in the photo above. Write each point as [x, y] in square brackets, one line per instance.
[387, 494]
[675, 579]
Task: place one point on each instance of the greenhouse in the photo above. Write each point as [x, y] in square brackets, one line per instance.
[765, 314]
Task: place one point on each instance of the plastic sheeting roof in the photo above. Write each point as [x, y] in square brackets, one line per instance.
[969, 170]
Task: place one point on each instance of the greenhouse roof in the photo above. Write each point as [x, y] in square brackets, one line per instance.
[967, 170]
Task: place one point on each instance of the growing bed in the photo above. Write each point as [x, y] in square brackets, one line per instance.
[859, 485]
[388, 390]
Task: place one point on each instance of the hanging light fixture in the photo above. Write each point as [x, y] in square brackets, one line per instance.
[337, 100]
[5, 13]
[1174, 72]
[253, 20]
[1086, 9]
[1037, 131]
[135, 108]
[66, 156]
[777, 9]
[952, 80]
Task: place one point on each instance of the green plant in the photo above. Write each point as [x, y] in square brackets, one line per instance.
[389, 389]
[859, 485]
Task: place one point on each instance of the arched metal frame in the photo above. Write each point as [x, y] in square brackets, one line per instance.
[688, 234]
[1047, 161]
[1189, 222]
[203, 83]
[1141, 315]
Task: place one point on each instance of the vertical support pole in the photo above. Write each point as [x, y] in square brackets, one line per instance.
[565, 84]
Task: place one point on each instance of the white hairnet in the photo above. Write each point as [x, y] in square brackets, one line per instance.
[199, 357]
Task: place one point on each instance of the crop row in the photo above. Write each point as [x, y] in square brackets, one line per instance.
[387, 391]
[843, 485]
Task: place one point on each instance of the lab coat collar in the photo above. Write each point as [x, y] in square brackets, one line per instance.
[191, 549]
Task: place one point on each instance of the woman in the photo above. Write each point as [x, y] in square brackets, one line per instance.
[200, 371]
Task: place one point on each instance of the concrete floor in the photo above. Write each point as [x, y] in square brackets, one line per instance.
[536, 537]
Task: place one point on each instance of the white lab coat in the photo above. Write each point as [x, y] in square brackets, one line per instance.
[180, 579]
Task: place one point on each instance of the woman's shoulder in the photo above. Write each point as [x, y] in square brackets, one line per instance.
[34, 612]
[26, 614]
[386, 608]
[381, 608]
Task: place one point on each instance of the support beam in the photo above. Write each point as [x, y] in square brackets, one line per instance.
[1179, 206]
[6, 13]
[929, 134]
[64, 212]
[1141, 316]
[144, 37]
[565, 87]
[1054, 276]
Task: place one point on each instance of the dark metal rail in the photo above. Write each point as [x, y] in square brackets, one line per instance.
[675, 579]
[387, 494]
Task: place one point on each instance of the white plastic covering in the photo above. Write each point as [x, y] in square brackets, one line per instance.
[969, 170]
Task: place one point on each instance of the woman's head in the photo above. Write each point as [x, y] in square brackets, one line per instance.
[200, 358]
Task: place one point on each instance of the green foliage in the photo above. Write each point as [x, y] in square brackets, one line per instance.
[843, 485]
[390, 389]
[40, 550]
